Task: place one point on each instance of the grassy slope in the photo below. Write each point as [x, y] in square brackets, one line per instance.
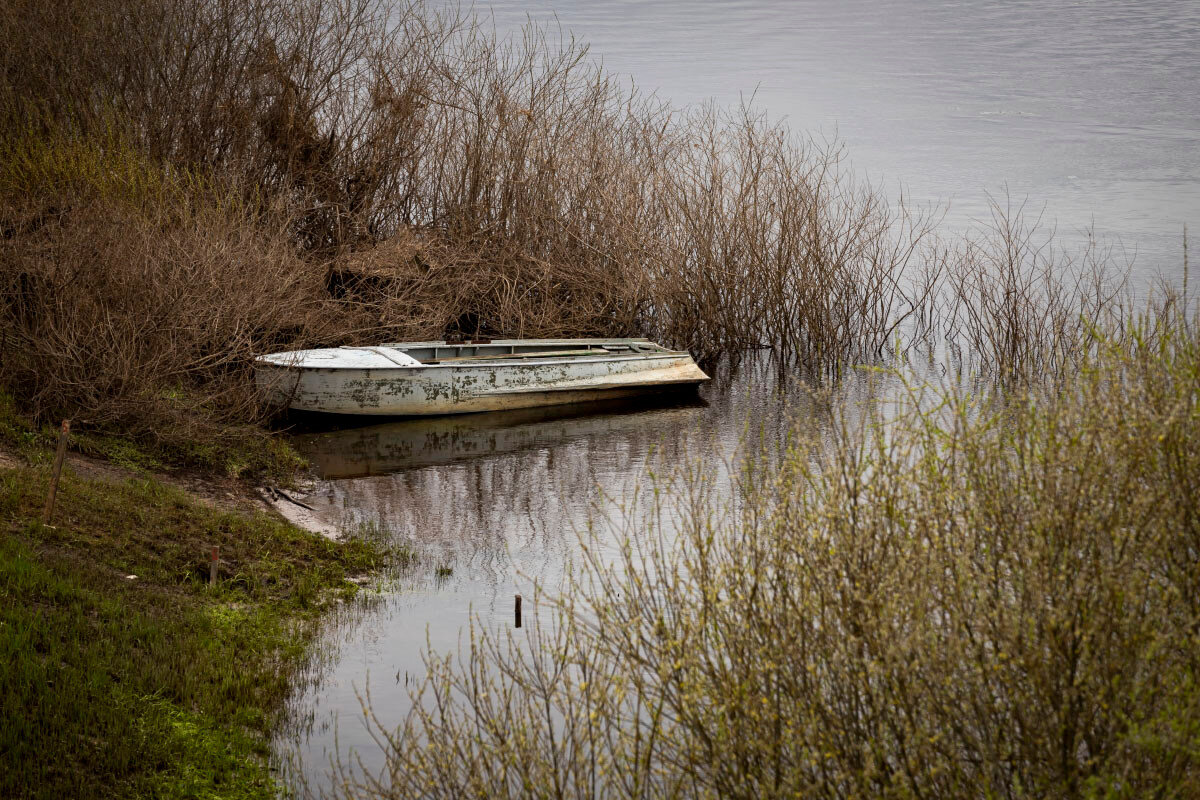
[157, 686]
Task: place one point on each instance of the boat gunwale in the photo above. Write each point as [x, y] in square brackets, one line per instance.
[499, 361]
[510, 342]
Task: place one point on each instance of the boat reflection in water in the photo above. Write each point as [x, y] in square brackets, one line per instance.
[381, 449]
[489, 506]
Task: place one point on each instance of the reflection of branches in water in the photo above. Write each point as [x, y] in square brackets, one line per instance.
[488, 502]
[511, 518]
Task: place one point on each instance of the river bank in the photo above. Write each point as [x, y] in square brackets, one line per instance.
[126, 673]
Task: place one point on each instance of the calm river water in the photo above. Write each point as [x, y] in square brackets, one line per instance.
[1088, 109]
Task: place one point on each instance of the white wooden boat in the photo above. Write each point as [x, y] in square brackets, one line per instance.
[422, 378]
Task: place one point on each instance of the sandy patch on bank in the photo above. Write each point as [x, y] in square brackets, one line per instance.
[291, 506]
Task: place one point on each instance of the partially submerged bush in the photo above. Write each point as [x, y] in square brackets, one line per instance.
[1018, 303]
[969, 597]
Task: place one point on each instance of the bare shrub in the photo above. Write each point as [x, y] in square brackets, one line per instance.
[562, 202]
[977, 598]
[307, 100]
[137, 303]
[771, 245]
[436, 176]
[1020, 305]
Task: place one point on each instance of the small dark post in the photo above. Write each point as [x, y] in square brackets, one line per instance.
[212, 568]
[58, 462]
[518, 611]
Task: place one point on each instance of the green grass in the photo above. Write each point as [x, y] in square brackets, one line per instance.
[158, 686]
[245, 451]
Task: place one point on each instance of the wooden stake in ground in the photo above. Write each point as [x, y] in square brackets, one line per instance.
[58, 462]
[518, 610]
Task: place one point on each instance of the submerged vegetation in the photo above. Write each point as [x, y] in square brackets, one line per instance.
[964, 596]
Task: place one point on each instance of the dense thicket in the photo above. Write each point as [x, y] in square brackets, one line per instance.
[187, 182]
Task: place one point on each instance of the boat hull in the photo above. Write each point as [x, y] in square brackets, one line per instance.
[469, 388]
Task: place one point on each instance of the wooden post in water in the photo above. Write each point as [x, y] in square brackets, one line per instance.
[518, 614]
[212, 567]
[58, 462]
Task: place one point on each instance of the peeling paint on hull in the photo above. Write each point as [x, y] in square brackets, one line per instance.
[495, 385]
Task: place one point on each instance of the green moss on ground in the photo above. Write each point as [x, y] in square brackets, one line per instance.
[158, 686]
